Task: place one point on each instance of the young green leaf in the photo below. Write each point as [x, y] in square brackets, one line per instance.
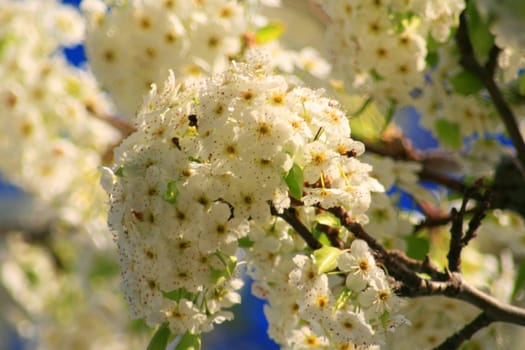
[321, 236]
[178, 294]
[417, 247]
[479, 33]
[245, 242]
[466, 83]
[448, 133]
[520, 280]
[189, 342]
[328, 219]
[521, 86]
[326, 258]
[270, 32]
[294, 179]
[119, 172]
[160, 338]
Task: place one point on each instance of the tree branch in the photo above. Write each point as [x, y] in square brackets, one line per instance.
[450, 284]
[333, 235]
[485, 74]
[455, 341]
[289, 215]
[458, 240]
[398, 148]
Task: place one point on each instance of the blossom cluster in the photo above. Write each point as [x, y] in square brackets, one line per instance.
[151, 37]
[191, 38]
[61, 309]
[379, 47]
[208, 161]
[50, 112]
[308, 308]
[403, 53]
[231, 166]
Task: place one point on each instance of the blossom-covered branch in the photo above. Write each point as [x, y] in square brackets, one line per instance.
[485, 74]
[413, 285]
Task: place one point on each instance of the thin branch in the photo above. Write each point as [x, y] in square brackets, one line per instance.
[458, 240]
[492, 62]
[413, 285]
[455, 341]
[485, 74]
[289, 215]
[333, 235]
[478, 215]
[437, 219]
[400, 149]
[443, 180]
[456, 233]
[420, 266]
[123, 126]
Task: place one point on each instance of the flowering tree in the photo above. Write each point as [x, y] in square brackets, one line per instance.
[271, 138]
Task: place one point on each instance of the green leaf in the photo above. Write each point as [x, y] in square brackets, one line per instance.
[231, 265]
[138, 326]
[328, 219]
[432, 58]
[366, 121]
[270, 32]
[160, 338]
[219, 275]
[178, 294]
[189, 342]
[466, 83]
[389, 114]
[119, 172]
[171, 193]
[343, 298]
[520, 280]
[103, 267]
[478, 30]
[321, 237]
[245, 242]
[32, 277]
[294, 179]
[521, 86]
[448, 133]
[5, 42]
[326, 258]
[432, 44]
[417, 247]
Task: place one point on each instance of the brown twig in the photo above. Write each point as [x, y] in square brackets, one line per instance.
[333, 235]
[420, 266]
[464, 334]
[458, 239]
[399, 148]
[289, 215]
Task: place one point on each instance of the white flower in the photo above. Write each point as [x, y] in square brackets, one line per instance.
[184, 316]
[310, 60]
[349, 327]
[360, 265]
[305, 338]
[379, 298]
